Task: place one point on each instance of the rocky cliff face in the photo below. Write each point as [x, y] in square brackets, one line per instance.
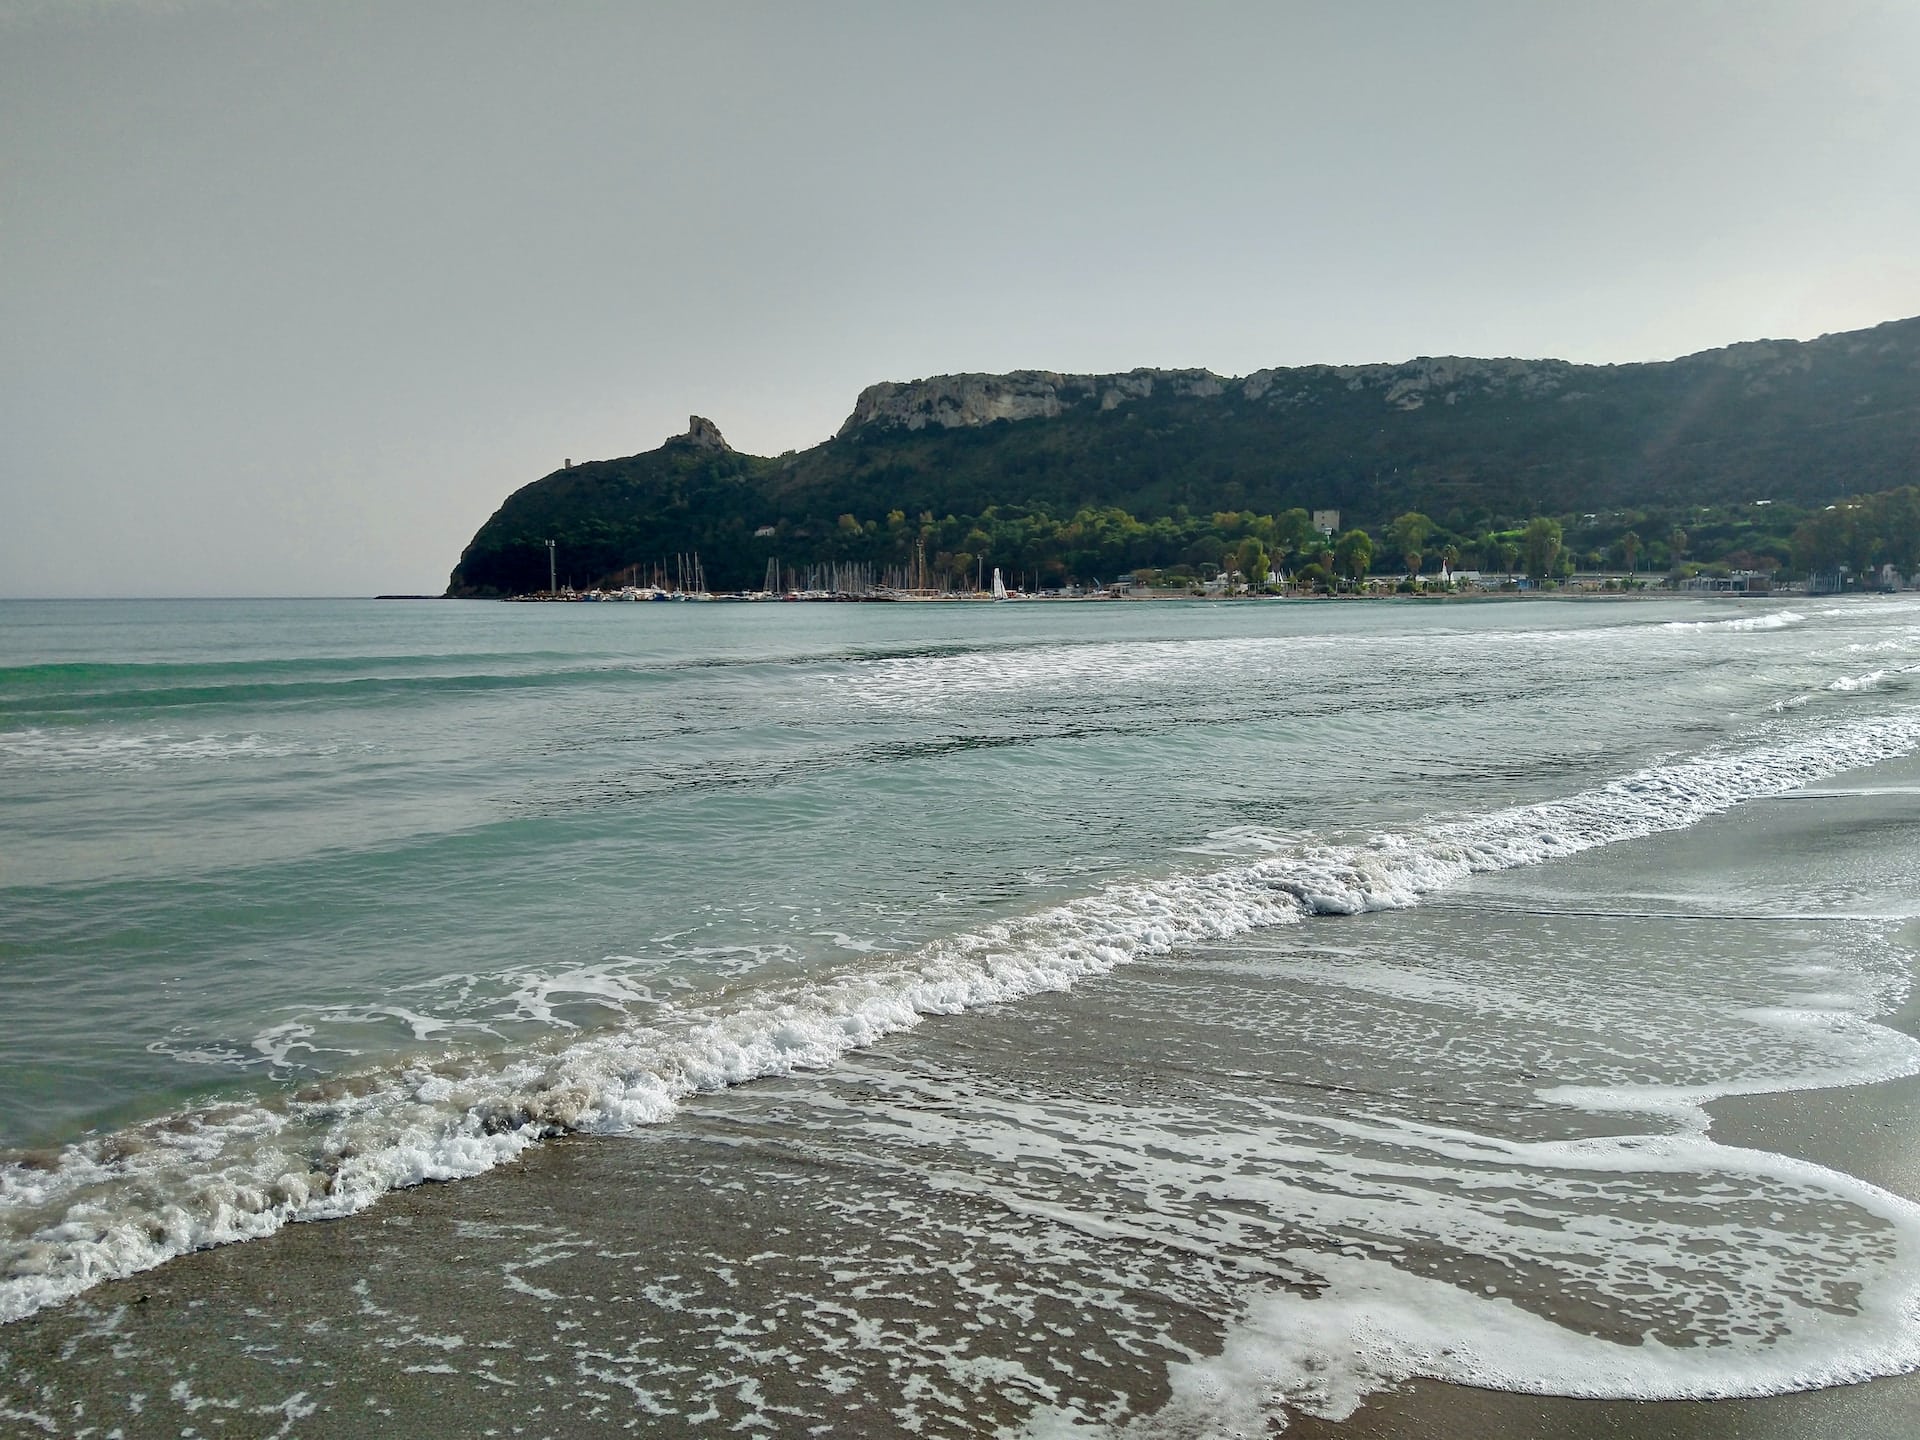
[702, 434]
[956, 401]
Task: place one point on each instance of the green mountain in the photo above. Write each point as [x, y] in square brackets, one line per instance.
[1026, 467]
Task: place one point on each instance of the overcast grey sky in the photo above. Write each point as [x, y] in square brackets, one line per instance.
[293, 294]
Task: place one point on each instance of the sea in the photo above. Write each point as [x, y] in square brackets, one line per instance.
[948, 1019]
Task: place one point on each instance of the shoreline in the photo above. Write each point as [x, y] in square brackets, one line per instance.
[1104, 1190]
[463, 1289]
[1430, 597]
[1866, 1131]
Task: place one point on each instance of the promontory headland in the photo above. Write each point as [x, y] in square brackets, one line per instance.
[1725, 457]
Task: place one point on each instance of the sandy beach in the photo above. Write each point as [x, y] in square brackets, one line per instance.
[430, 1316]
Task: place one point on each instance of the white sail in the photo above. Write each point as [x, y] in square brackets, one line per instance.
[999, 585]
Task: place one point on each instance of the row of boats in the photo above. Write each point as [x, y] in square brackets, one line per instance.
[653, 594]
[631, 594]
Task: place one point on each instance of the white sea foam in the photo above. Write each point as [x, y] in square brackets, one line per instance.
[113, 1205]
[1378, 1325]
[1846, 684]
[1773, 620]
[92, 749]
[1410, 1247]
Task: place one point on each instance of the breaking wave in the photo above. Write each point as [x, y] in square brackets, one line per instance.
[1776, 620]
[1849, 683]
[112, 1205]
[91, 750]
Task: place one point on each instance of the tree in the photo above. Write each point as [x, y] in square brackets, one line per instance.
[1353, 553]
[1407, 534]
[1541, 543]
[1630, 546]
[1821, 541]
[1902, 524]
[1864, 542]
[1293, 533]
[1901, 527]
[1250, 559]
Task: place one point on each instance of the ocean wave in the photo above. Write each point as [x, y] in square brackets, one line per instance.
[92, 750]
[112, 1205]
[1776, 620]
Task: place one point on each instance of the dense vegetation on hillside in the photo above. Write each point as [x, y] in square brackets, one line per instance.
[1720, 457]
[609, 515]
[1862, 534]
[1100, 543]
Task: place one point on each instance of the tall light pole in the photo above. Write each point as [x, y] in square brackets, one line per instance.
[553, 578]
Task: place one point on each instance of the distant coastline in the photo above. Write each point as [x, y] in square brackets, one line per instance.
[1377, 595]
[1788, 458]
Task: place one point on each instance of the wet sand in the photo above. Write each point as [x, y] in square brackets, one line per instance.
[558, 1296]
[1872, 1132]
[597, 1287]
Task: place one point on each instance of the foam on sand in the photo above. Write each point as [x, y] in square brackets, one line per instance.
[1376, 1326]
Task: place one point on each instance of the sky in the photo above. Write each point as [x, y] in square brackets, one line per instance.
[293, 295]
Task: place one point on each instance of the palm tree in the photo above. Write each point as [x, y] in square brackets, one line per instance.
[1356, 554]
[1542, 541]
[1408, 533]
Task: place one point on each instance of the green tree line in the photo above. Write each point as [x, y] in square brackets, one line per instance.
[1862, 534]
[610, 518]
[1099, 543]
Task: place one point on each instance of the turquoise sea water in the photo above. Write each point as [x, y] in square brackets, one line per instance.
[306, 900]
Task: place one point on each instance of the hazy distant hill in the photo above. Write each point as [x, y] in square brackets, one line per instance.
[1483, 441]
